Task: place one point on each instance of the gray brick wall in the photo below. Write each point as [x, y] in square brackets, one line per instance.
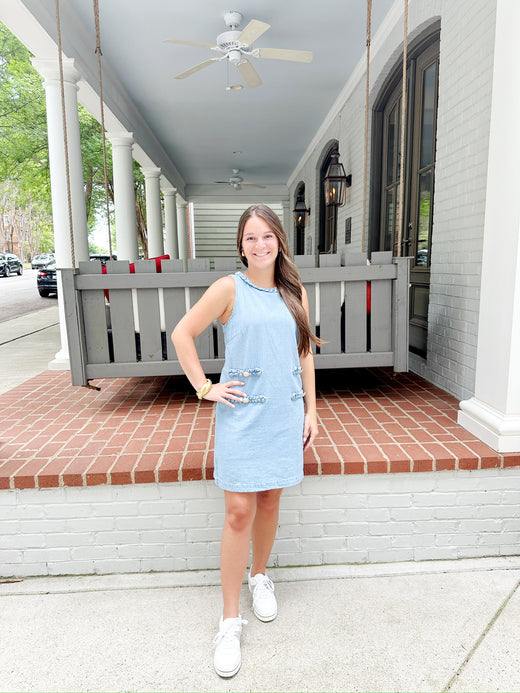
[326, 520]
[465, 81]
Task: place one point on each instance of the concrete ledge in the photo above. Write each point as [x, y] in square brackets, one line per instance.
[70, 584]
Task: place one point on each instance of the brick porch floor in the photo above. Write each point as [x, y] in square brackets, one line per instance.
[143, 430]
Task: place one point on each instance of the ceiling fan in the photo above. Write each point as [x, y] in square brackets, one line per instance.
[236, 47]
[236, 181]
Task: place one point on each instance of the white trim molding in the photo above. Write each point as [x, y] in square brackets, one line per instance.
[500, 431]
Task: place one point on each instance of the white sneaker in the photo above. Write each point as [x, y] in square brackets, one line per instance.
[227, 659]
[264, 601]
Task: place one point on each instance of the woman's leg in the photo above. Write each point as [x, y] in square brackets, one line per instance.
[234, 547]
[264, 528]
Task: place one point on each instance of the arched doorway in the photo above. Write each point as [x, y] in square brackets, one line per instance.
[417, 213]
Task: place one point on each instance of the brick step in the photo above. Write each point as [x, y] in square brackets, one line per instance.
[152, 430]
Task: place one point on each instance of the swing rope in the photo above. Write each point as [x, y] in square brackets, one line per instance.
[102, 108]
[400, 215]
[65, 137]
[367, 98]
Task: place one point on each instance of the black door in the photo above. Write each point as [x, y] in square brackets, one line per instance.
[420, 133]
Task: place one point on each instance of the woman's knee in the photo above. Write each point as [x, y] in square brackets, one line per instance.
[240, 512]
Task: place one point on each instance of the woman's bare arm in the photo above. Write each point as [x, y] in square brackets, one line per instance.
[217, 302]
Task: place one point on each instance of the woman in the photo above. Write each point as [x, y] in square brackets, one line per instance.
[261, 428]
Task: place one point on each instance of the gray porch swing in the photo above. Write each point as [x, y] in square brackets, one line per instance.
[118, 323]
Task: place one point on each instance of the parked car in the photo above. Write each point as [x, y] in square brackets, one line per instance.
[10, 264]
[42, 260]
[46, 280]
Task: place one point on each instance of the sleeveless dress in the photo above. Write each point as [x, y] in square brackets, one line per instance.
[259, 442]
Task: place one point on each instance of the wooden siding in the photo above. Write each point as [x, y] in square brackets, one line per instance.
[216, 229]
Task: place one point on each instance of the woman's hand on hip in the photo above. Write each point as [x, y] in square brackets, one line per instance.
[310, 430]
[223, 392]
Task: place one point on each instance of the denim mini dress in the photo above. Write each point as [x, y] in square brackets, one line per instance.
[259, 442]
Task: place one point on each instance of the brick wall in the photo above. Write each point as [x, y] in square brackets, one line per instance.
[465, 81]
[326, 520]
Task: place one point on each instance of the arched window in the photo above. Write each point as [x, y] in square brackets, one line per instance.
[419, 167]
[328, 215]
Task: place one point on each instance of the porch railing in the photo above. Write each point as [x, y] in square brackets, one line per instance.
[119, 324]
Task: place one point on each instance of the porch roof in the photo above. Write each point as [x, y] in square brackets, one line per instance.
[146, 430]
[193, 128]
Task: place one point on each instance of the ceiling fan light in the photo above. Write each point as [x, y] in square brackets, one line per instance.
[234, 87]
[234, 57]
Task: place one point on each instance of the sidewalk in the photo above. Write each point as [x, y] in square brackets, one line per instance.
[27, 344]
[432, 626]
[425, 626]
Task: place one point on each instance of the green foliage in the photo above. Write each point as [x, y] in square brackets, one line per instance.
[24, 158]
[94, 249]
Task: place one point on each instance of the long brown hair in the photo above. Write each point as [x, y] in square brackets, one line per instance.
[286, 276]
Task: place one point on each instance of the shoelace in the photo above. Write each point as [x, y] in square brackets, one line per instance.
[263, 586]
[228, 631]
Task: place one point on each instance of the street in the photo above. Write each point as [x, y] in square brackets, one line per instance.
[30, 333]
[19, 295]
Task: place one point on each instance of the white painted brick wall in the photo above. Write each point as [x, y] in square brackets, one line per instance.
[333, 519]
[465, 82]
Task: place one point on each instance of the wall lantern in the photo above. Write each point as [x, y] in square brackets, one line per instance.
[336, 182]
[300, 211]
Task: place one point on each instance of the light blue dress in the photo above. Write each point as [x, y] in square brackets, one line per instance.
[259, 442]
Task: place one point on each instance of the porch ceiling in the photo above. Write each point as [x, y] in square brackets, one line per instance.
[194, 125]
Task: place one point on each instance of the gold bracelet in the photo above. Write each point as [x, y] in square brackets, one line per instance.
[204, 389]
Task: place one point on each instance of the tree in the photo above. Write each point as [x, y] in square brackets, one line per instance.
[24, 161]
[24, 158]
[26, 224]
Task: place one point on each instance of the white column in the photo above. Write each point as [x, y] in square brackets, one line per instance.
[493, 414]
[124, 195]
[153, 211]
[182, 229]
[171, 243]
[49, 69]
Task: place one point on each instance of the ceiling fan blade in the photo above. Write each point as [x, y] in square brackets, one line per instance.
[253, 185]
[190, 43]
[198, 67]
[250, 75]
[252, 31]
[285, 54]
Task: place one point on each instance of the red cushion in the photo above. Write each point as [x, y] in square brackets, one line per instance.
[158, 268]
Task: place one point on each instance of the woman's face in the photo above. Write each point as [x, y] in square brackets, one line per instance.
[259, 243]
